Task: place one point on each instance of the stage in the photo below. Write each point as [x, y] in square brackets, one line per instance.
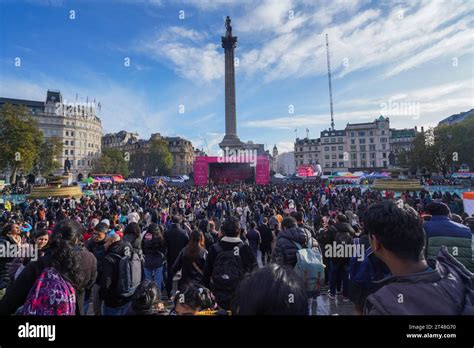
[212, 170]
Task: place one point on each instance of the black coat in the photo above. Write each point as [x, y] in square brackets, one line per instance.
[189, 272]
[267, 236]
[110, 274]
[285, 247]
[5, 262]
[176, 239]
[18, 291]
[154, 251]
[98, 250]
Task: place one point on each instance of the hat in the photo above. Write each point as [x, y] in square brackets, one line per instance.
[106, 222]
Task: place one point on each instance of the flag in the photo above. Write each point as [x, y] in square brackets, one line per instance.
[296, 130]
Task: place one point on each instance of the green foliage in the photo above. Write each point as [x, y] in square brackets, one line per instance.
[20, 140]
[442, 149]
[155, 160]
[112, 161]
[50, 150]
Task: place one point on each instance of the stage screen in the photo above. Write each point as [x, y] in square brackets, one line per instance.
[225, 173]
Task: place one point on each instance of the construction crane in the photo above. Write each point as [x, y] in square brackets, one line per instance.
[330, 85]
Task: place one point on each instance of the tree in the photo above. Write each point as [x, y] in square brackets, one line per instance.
[154, 160]
[20, 140]
[441, 149]
[49, 151]
[112, 161]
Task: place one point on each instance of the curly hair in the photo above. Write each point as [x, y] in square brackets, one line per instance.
[66, 234]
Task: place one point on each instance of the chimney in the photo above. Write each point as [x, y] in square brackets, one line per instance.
[422, 130]
[416, 129]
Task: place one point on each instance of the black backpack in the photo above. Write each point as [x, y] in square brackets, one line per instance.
[228, 269]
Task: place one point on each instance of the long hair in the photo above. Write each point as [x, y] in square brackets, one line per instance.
[65, 237]
[195, 244]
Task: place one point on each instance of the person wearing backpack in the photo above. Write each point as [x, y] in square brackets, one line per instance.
[342, 234]
[227, 262]
[176, 239]
[96, 246]
[428, 287]
[254, 238]
[191, 261]
[297, 249]
[65, 270]
[115, 279]
[154, 250]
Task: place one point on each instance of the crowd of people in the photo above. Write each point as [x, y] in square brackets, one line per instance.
[237, 249]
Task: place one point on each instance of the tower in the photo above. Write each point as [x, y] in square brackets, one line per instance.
[229, 42]
[275, 159]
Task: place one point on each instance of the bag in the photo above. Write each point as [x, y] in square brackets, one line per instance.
[310, 267]
[228, 269]
[130, 272]
[51, 294]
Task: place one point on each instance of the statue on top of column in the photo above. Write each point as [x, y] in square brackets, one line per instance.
[228, 26]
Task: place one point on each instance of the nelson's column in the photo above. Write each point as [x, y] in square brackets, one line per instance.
[229, 42]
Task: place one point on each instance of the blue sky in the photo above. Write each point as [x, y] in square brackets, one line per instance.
[416, 53]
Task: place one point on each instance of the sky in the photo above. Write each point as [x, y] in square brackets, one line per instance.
[158, 66]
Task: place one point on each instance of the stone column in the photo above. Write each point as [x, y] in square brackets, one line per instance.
[231, 139]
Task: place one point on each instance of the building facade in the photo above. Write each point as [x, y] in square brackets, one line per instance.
[359, 147]
[181, 149]
[76, 125]
[286, 163]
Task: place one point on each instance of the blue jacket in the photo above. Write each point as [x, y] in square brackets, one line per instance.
[440, 230]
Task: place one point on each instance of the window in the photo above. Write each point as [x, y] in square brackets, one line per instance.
[352, 134]
[326, 140]
[333, 148]
[383, 132]
[301, 149]
[372, 155]
[72, 142]
[385, 164]
[383, 140]
[362, 134]
[333, 156]
[362, 147]
[383, 146]
[333, 140]
[372, 163]
[67, 133]
[371, 133]
[354, 164]
[340, 148]
[353, 141]
[384, 155]
[371, 147]
[341, 164]
[362, 155]
[363, 164]
[72, 134]
[339, 140]
[334, 164]
[326, 148]
[66, 152]
[353, 147]
[301, 162]
[66, 142]
[72, 152]
[326, 157]
[371, 140]
[353, 156]
[361, 141]
[310, 148]
[327, 165]
[341, 156]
